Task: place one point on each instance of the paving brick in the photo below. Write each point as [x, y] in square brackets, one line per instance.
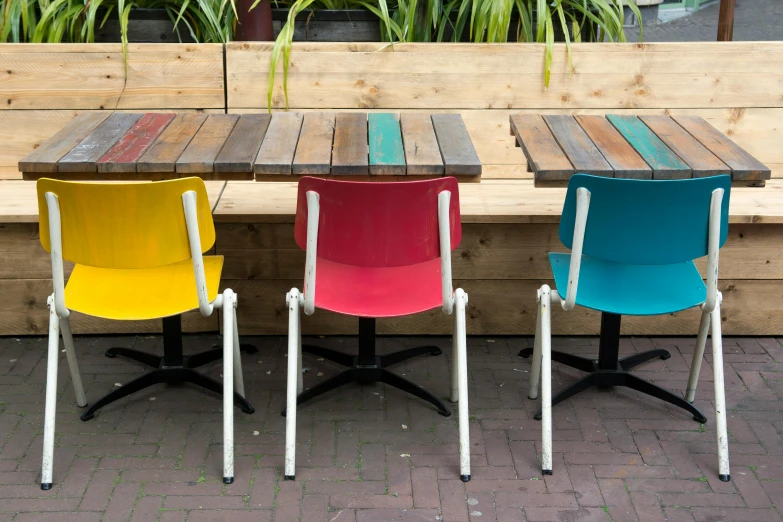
[424, 483]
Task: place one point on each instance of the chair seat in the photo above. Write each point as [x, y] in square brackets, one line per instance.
[377, 291]
[631, 289]
[137, 294]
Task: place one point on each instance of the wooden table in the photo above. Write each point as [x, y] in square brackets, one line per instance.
[643, 147]
[264, 147]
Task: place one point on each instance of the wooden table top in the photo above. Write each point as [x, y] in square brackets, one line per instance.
[264, 147]
[643, 147]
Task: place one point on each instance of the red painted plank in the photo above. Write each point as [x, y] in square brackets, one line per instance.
[122, 157]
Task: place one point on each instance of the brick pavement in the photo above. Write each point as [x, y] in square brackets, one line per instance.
[372, 454]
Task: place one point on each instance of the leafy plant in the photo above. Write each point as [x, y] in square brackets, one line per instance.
[485, 21]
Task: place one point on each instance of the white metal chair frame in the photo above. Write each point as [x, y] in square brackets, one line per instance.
[451, 299]
[542, 359]
[59, 323]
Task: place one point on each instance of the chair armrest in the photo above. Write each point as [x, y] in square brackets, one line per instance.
[313, 217]
[194, 238]
[582, 208]
[713, 249]
[444, 233]
[56, 251]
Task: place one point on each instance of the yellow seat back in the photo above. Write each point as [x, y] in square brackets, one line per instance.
[125, 225]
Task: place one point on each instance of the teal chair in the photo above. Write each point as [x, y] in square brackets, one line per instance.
[633, 245]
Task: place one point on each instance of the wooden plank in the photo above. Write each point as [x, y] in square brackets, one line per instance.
[623, 158]
[45, 157]
[664, 162]
[701, 161]
[199, 156]
[350, 150]
[577, 146]
[541, 149]
[459, 155]
[162, 156]
[422, 154]
[84, 156]
[314, 149]
[743, 165]
[385, 142]
[126, 152]
[241, 148]
[277, 150]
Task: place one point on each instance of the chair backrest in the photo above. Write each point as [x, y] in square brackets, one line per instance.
[378, 224]
[645, 222]
[125, 225]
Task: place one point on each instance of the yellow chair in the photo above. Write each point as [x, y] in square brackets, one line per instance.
[137, 249]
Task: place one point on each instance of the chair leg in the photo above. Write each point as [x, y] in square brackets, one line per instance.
[299, 369]
[454, 396]
[292, 385]
[535, 366]
[546, 381]
[239, 379]
[229, 304]
[73, 363]
[460, 335]
[51, 397]
[698, 355]
[724, 472]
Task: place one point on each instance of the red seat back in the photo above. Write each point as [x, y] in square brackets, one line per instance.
[377, 224]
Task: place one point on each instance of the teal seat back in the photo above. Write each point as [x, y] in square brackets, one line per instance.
[645, 222]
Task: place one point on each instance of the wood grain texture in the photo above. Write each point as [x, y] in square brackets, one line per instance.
[46, 156]
[544, 155]
[162, 155]
[199, 156]
[422, 155]
[277, 150]
[623, 158]
[459, 155]
[350, 148]
[122, 157]
[241, 147]
[743, 165]
[314, 149]
[664, 162]
[701, 161]
[577, 146]
[387, 156]
[84, 156]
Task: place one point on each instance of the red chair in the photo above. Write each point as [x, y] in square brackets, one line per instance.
[376, 250]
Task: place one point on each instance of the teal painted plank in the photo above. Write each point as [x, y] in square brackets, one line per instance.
[386, 152]
[664, 162]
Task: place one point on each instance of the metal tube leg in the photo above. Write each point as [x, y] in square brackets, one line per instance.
[546, 381]
[535, 366]
[454, 397]
[698, 355]
[239, 380]
[228, 385]
[460, 334]
[73, 364]
[51, 397]
[299, 369]
[720, 396]
[294, 374]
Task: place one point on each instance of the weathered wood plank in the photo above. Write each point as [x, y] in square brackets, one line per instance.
[122, 157]
[45, 157]
[623, 158]
[459, 155]
[84, 156]
[422, 154]
[577, 146]
[664, 162]
[743, 165]
[541, 149]
[241, 147]
[350, 149]
[387, 156]
[199, 156]
[701, 161]
[277, 150]
[314, 149]
[162, 155]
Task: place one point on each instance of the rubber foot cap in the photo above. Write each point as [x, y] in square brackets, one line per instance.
[446, 413]
[46, 486]
[724, 478]
[289, 477]
[228, 480]
[464, 478]
[546, 471]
